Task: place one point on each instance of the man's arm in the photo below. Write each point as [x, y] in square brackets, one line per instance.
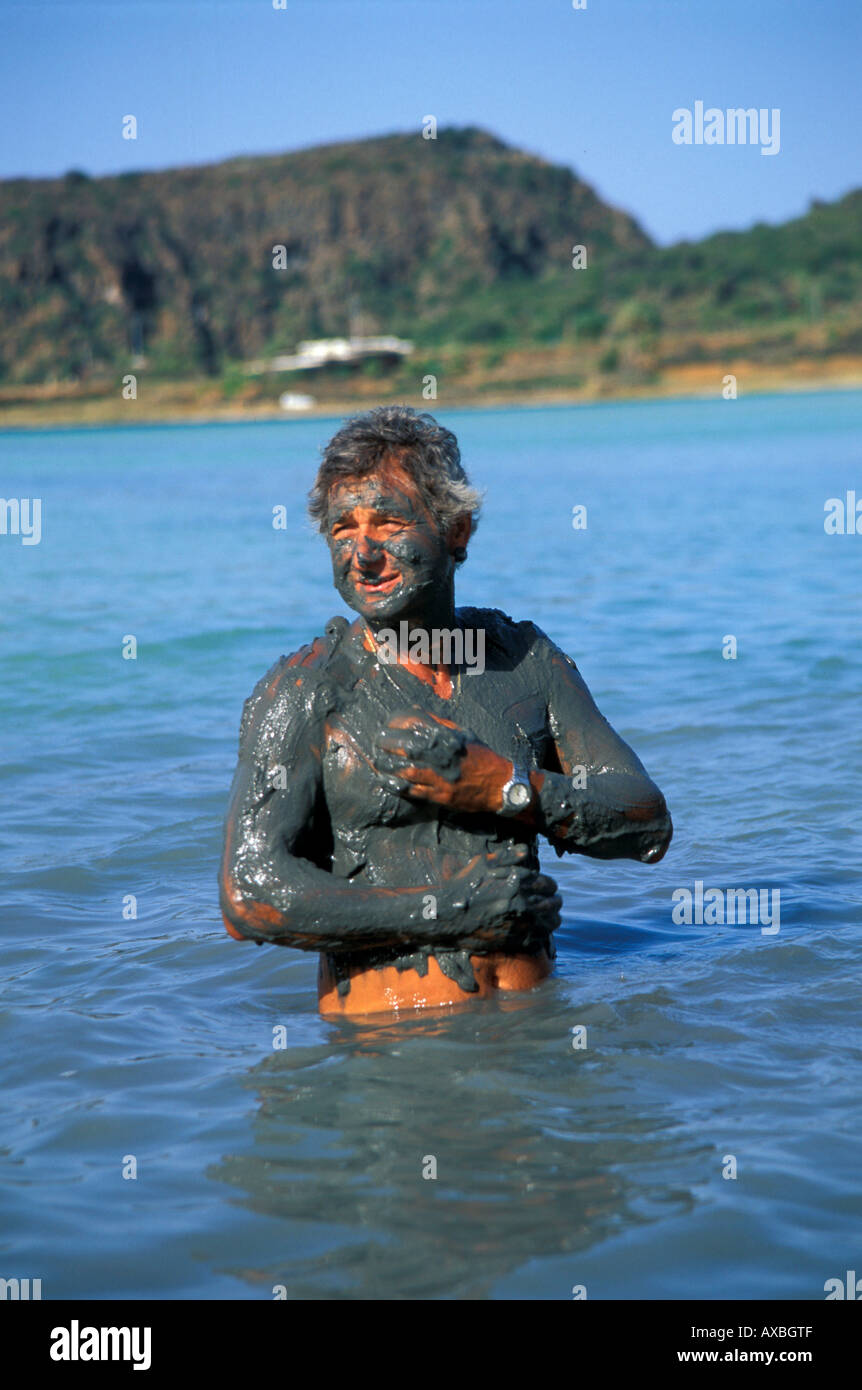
[596, 799]
[270, 888]
[601, 803]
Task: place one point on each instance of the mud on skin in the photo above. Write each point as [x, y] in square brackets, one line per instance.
[338, 860]
[406, 568]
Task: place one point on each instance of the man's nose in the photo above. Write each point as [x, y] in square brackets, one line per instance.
[367, 553]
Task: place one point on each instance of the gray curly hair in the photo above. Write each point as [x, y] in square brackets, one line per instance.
[427, 452]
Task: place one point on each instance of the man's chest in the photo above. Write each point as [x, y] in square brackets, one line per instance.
[504, 710]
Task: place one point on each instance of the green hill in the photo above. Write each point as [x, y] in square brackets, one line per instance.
[462, 244]
[179, 264]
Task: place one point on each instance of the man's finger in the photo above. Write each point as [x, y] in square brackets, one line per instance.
[508, 853]
[396, 784]
[543, 883]
[404, 739]
[405, 772]
[390, 762]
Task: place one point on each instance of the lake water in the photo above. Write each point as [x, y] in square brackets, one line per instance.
[152, 1038]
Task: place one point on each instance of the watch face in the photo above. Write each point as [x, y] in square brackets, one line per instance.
[519, 795]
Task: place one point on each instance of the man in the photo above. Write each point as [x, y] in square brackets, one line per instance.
[387, 802]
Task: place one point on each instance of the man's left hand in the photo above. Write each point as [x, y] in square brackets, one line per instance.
[430, 759]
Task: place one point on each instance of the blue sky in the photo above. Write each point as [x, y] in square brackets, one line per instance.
[593, 89]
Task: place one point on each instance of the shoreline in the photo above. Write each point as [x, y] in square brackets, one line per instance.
[195, 403]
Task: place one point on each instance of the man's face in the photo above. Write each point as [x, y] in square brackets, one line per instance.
[388, 558]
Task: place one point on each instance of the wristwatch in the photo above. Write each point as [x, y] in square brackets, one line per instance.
[517, 793]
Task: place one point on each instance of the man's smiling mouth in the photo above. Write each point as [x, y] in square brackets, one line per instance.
[377, 583]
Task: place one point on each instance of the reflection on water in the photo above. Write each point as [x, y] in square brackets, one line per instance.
[529, 1160]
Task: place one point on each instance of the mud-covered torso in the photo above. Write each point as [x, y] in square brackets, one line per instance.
[382, 838]
[311, 812]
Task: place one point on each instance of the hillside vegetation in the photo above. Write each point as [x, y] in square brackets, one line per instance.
[462, 244]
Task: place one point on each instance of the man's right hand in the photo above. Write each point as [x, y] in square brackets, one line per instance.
[496, 898]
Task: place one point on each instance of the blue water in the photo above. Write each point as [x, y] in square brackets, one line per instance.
[152, 1037]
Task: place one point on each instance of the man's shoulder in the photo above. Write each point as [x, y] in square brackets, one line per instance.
[522, 644]
[317, 654]
[511, 635]
[296, 683]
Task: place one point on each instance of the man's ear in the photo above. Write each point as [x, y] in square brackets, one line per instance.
[459, 533]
